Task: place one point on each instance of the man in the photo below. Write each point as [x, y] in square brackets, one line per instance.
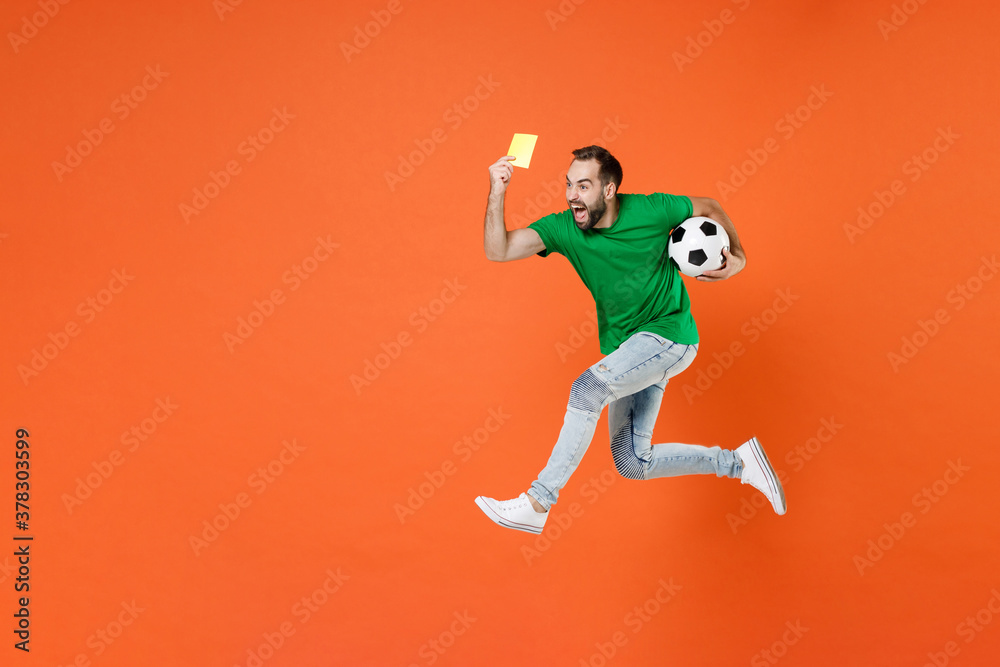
[617, 244]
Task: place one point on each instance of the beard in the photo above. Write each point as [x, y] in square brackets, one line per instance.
[594, 215]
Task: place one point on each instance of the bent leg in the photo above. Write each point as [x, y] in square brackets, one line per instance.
[631, 421]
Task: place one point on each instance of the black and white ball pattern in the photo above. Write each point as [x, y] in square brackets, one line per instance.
[696, 245]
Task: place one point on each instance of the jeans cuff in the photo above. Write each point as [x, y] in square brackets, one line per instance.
[545, 506]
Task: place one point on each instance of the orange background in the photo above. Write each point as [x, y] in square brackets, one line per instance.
[496, 345]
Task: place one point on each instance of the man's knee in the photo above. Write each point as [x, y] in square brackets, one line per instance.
[630, 469]
[589, 393]
[627, 463]
[628, 466]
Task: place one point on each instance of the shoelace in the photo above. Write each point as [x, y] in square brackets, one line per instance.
[512, 504]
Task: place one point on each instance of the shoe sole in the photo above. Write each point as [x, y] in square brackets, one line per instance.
[500, 521]
[772, 477]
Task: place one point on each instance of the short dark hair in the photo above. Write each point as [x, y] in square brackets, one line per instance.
[610, 168]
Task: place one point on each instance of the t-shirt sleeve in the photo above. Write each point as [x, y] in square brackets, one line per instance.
[550, 231]
[675, 208]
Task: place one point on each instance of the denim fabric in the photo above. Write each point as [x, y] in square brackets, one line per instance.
[631, 381]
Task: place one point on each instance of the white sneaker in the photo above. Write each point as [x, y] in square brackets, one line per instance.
[517, 513]
[757, 472]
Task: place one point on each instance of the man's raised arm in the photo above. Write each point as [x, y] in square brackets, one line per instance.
[735, 257]
[499, 244]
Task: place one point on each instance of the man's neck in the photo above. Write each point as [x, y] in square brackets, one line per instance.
[610, 215]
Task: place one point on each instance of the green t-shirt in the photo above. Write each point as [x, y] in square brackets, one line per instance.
[635, 285]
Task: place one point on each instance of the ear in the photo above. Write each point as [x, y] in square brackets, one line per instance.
[610, 190]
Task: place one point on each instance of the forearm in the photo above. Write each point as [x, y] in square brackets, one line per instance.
[716, 213]
[495, 230]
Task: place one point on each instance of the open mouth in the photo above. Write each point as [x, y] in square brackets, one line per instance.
[579, 212]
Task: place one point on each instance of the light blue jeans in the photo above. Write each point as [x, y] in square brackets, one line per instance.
[631, 379]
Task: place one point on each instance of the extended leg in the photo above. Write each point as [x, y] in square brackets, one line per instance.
[587, 397]
[643, 359]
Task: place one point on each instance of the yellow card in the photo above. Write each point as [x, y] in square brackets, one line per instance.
[522, 146]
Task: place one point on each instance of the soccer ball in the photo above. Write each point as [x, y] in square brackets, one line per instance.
[696, 246]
